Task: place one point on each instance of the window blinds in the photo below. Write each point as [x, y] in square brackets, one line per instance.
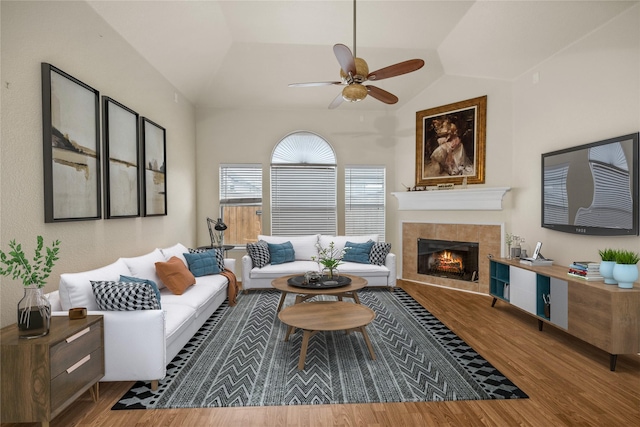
[240, 184]
[365, 200]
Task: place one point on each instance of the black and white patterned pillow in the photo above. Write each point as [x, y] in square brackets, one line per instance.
[219, 255]
[379, 252]
[124, 296]
[259, 253]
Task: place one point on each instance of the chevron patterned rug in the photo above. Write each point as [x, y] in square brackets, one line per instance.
[239, 358]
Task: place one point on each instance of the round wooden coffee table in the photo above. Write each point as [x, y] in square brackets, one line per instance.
[318, 316]
[303, 294]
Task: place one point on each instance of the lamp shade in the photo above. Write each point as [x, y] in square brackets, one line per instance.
[220, 226]
[354, 92]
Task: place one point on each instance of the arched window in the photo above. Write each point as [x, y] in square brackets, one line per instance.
[303, 186]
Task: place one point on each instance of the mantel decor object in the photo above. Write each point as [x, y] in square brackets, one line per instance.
[450, 143]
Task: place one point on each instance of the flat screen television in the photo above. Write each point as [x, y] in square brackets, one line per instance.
[593, 188]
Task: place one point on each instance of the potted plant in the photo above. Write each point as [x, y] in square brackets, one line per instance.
[330, 258]
[34, 310]
[608, 257]
[625, 271]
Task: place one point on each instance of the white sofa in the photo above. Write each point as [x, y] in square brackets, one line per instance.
[304, 248]
[139, 344]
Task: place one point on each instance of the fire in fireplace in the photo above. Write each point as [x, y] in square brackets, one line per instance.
[451, 259]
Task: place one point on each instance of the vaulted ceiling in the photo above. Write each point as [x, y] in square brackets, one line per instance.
[243, 54]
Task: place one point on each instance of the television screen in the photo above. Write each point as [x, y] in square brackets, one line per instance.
[593, 188]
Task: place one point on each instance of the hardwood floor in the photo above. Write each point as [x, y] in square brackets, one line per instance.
[568, 382]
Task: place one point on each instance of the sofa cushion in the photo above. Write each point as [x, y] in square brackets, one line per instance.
[281, 253]
[379, 252]
[202, 263]
[358, 252]
[75, 288]
[199, 295]
[176, 250]
[175, 275]
[217, 253]
[303, 246]
[259, 253]
[339, 241]
[143, 266]
[139, 280]
[271, 271]
[124, 296]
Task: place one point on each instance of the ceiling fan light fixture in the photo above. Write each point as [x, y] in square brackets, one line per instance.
[354, 92]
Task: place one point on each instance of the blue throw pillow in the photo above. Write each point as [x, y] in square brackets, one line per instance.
[281, 253]
[359, 252]
[202, 263]
[153, 284]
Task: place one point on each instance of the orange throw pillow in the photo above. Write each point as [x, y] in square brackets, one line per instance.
[175, 275]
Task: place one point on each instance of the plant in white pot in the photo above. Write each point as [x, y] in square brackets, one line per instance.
[608, 257]
[34, 310]
[625, 271]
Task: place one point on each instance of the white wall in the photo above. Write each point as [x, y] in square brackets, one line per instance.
[72, 37]
[588, 92]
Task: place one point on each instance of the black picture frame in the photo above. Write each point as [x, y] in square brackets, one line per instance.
[154, 154]
[121, 136]
[71, 147]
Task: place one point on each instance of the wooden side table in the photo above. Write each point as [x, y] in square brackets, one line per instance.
[41, 377]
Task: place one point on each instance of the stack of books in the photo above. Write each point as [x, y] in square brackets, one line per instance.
[587, 270]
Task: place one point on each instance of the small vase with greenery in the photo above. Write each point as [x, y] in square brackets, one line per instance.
[608, 257]
[625, 271]
[330, 258]
[34, 310]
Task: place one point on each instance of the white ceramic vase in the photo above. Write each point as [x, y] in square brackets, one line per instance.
[625, 275]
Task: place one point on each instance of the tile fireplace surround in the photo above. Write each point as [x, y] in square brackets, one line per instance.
[489, 237]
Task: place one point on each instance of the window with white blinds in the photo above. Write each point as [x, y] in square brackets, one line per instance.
[241, 202]
[303, 200]
[303, 186]
[365, 200]
[240, 184]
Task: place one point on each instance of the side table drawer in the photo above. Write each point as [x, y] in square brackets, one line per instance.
[85, 372]
[68, 352]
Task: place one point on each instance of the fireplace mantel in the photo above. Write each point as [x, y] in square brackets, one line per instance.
[474, 199]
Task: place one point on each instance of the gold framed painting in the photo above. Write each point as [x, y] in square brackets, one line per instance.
[451, 142]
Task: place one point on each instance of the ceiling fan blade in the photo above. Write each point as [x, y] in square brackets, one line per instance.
[382, 95]
[311, 84]
[396, 69]
[336, 102]
[345, 58]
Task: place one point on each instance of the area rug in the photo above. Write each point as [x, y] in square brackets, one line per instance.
[239, 358]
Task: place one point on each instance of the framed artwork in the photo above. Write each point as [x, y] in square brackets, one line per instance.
[450, 143]
[71, 144]
[155, 176]
[121, 160]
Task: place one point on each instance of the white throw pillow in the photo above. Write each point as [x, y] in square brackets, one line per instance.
[75, 288]
[339, 241]
[144, 266]
[177, 250]
[303, 246]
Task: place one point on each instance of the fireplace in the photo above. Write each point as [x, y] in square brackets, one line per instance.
[450, 259]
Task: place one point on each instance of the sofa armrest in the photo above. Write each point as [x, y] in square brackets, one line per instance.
[134, 344]
[390, 263]
[230, 264]
[247, 265]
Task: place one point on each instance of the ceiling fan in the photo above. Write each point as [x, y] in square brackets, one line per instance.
[354, 72]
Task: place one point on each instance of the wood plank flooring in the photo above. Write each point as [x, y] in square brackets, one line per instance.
[568, 382]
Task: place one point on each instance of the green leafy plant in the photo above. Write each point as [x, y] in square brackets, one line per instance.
[627, 257]
[16, 264]
[607, 254]
[329, 257]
